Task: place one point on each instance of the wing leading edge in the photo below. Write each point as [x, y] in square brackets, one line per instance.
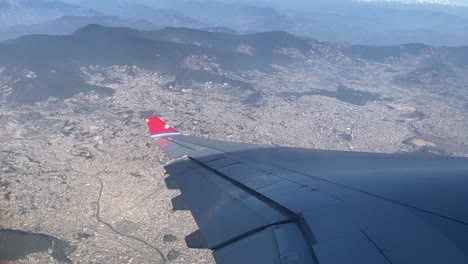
[264, 204]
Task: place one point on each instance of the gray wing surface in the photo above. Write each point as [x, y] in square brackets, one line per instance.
[266, 204]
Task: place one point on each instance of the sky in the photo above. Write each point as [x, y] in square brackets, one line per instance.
[292, 2]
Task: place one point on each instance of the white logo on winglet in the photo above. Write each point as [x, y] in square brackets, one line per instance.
[166, 126]
[147, 120]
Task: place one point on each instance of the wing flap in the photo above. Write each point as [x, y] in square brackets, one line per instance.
[277, 244]
[217, 204]
[354, 248]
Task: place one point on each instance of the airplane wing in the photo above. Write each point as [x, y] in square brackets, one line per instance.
[268, 204]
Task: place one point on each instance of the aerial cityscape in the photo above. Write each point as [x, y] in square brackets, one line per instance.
[82, 179]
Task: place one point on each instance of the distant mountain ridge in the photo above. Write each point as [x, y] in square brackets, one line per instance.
[68, 24]
[23, 12]
[131, 10]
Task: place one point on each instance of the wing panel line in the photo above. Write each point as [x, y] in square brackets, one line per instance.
[377, 247]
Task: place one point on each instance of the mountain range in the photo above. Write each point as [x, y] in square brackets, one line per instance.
[32, 11]
[355, 22]
[68, 24]
[43, 66]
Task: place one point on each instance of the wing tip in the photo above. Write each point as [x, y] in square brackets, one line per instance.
[159, 128]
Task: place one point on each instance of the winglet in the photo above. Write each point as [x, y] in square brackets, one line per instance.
[159, 128]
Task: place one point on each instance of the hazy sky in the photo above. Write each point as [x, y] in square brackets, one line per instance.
[279, 2]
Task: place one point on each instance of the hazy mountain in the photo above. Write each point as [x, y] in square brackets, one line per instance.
[221, 30]
[239, 16]
[69, 24]
[383, 24]
[132, 10]
[20, 12]
[370, 23]
[169, 17]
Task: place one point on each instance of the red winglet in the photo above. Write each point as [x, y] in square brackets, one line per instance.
[159, 128]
